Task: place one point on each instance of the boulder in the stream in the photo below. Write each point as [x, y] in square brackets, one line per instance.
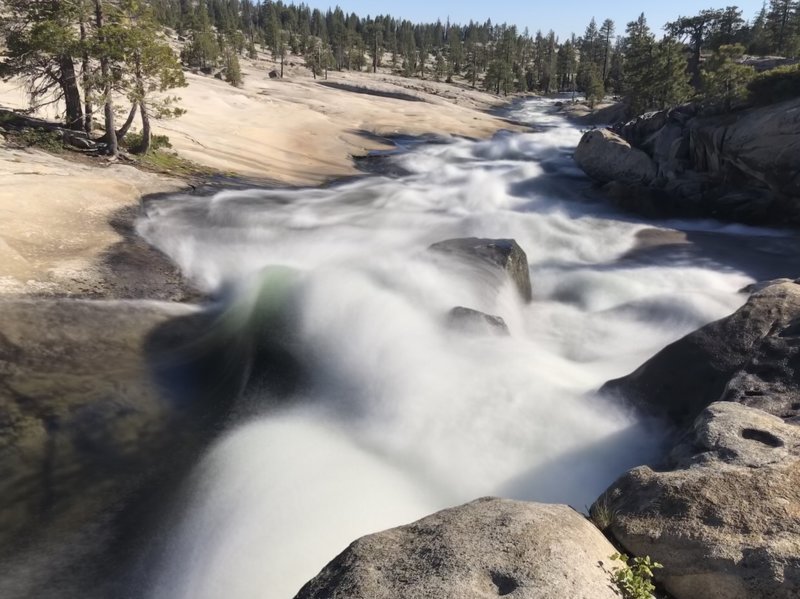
[503, 255]
[752, 357]
[605, 156]
[487, 548]
[722, 514]
[475, 322]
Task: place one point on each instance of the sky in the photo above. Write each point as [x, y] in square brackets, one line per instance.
[563, 16]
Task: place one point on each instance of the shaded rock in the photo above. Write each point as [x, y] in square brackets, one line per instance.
[273, 74]
[761, 285]
[747, 163]
[488, 548]
[78, 140]
[605, 156]
[688, 375]
[767, 63]
[473, 321]
[722, 516]
[100, 401]
[503, 254]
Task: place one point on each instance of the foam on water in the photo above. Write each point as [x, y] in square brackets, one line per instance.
[403, 416]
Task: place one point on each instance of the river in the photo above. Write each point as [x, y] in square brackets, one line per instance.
[401, 415]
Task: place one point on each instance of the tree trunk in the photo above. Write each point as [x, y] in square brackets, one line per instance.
[87, 83]
[282, 54]
[72, 95]
[147, 132]
[105, 69]
[123, 131]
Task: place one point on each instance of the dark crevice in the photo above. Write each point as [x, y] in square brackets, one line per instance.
[761, 437]
[505, 584]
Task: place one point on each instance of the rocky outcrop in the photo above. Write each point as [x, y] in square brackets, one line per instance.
[752, 357]
[742, 166]
[722, 514]
[488, 548]
[475, 322]
[606, 157]
[499, 255]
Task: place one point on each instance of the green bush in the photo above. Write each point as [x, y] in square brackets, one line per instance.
[634, 578]
[775, 85]
[134, 140]
[50, 141]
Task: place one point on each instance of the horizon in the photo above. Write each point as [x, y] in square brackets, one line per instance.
[561, 17]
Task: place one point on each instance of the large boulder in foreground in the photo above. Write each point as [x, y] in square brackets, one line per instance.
[752, 357]
[606, 157]
[722, 514]
[498, 255]
[485, 549]
[99, 401]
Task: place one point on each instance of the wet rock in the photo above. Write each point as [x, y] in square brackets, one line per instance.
[488, 548]
[99, 401]
[605, 156]
[475, 322]
[504, 255]
[736, 358]
[721, 515]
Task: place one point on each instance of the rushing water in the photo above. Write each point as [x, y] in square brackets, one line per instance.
[401, 415]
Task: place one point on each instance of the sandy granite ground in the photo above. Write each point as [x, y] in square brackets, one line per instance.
[65, 226]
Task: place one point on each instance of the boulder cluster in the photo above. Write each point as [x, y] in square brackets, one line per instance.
[742, 166]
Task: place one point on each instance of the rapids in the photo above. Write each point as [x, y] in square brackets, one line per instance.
[402, 416]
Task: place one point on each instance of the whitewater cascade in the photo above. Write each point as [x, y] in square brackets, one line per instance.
[401, 415]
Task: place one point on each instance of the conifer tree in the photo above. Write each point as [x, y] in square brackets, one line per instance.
[41, 41]
[724, 78]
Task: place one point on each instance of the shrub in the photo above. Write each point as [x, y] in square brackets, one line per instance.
[50, 141]
[634, 578]
[134, 140]
[775, 85]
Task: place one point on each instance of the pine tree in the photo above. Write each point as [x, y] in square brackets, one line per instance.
[150, 65]
[724, 78]
[41, 42]
[606, 37]
[779, 27]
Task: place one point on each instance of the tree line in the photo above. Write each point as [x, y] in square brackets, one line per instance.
[99, 57]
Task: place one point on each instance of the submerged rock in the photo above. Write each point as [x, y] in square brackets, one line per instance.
[484, 549]
[473, 321]
[722, 514]
[503, 254]
[752, 357]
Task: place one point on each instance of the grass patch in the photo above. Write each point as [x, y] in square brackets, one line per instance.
[169, 163]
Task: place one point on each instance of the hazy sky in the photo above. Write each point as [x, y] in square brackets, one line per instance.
[563, 16]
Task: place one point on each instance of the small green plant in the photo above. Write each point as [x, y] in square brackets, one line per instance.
[634, 578]
[602, 514]
[134, 140]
